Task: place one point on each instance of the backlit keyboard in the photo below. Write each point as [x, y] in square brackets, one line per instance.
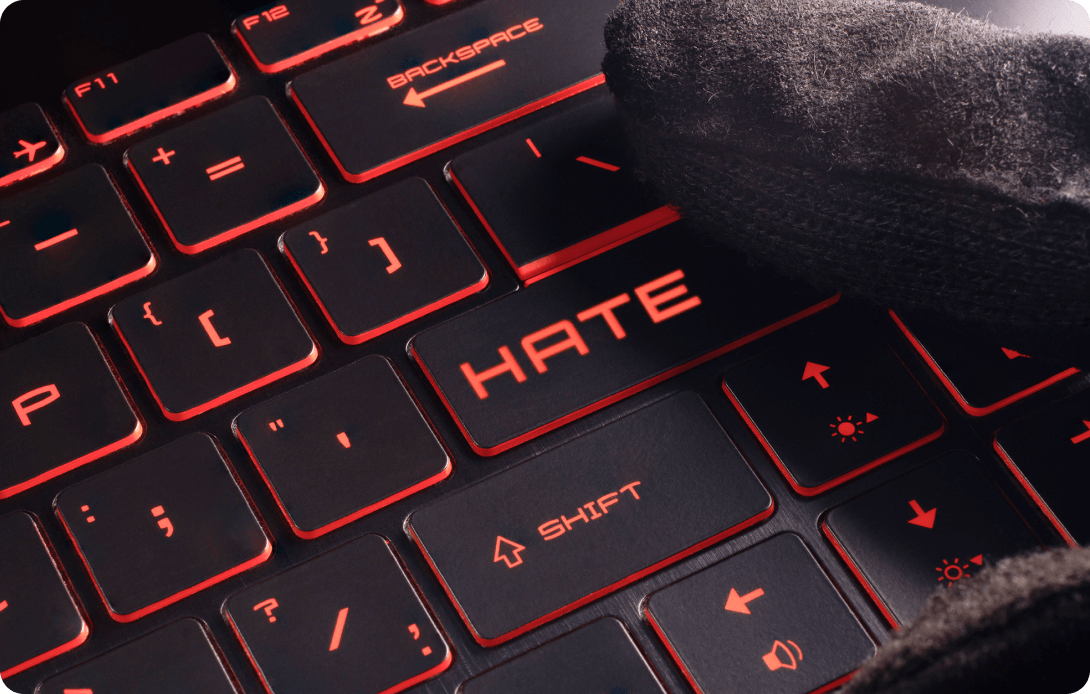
[342, 344]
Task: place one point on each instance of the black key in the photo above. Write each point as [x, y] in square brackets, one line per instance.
[559, 191]
[347, 621]
[39, 619]
[929, 528]
[210, 336]
[67, 242]
[362, 453]
[451, 79]
[283, 35]
[600, 331]
[29, 144]
[600, 657]
[178, 659]
[831, 406]
[765, 620]
[224, 175]
[162, 527]
[1047, 452]
[573, 524]
[144, 91]
[980, 376]
[60, 407]
[383, 261]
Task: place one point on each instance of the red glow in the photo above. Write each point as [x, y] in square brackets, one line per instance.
[43, 165]
[1033, 494]
[606, 402]
[588, 248]
[312, 534]
[598, 593]
[226, 397]
[814, 491]
[364, 32]
[859, 575]
[975, 411]
[53, 653]
[448, 141]
[161, 114]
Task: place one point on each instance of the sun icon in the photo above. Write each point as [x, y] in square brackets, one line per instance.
[952, 572]
[846, 429]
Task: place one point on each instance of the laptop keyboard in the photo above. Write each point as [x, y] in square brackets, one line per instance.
[342, 345]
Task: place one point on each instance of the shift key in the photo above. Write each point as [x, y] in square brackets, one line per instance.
[534, 542]
[451, 79]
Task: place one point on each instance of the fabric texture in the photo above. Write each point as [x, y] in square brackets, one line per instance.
[929, 162]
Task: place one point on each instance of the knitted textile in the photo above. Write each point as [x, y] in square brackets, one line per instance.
[933, 163]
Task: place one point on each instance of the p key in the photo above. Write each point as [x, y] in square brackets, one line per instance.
[60, 407]
[230, 172]
[383, 261]
[28, 144]
[163, 526]
[207, 337]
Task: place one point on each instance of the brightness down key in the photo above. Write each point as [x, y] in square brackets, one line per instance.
[599, 512]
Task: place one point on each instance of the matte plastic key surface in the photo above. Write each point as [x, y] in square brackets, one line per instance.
[365, 442]
[762, 621]
[66, 242]
[347, 621]
[589, 517]
[28, 144]
[282, 35]
[831, 406]
[600, 657]
[1048, 452]
[982, 377]
[162, 527]
[228, 173]
[159, 84]
[560, 190]
[60, 407]
[212, 335]
[925, 530]
[460, 75]
[39, 618]
[600, 331]
[384, 261]
[179, 658]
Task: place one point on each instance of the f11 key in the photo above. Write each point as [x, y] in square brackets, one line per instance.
[589, 517]
[145, 90]
[28, 144]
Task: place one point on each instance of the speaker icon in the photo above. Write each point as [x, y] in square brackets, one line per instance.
[774, 661]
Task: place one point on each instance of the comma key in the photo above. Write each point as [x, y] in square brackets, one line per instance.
[568, 526]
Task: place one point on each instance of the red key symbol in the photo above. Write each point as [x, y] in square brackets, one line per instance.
[395, 264]
[206, 321]
[23, 410]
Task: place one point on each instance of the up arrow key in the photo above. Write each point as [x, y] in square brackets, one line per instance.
[505, 546]
[922, 519]
[814, 371]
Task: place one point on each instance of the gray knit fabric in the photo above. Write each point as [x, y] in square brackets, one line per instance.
[928, 161]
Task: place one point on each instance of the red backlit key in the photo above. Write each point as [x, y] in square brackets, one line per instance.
[383, 261]
[559, 190]
[606, 509]
[925, 530]
[143, 91]
[347, 621]
[980, 376]
[159, 528]
[28, 144]
[362, 453]
[39, 619]
[60, 407]
[1048, 452]
[210, 336]
[283, 35]
[600, 657]
[225, 174]
[831, 406]
[177, 659]
[451, 79]
[67, 242]
[600, 331]
[765, 620]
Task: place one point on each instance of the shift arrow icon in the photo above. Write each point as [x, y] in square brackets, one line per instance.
[814, 371]
[505, 547]
[923, 519]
